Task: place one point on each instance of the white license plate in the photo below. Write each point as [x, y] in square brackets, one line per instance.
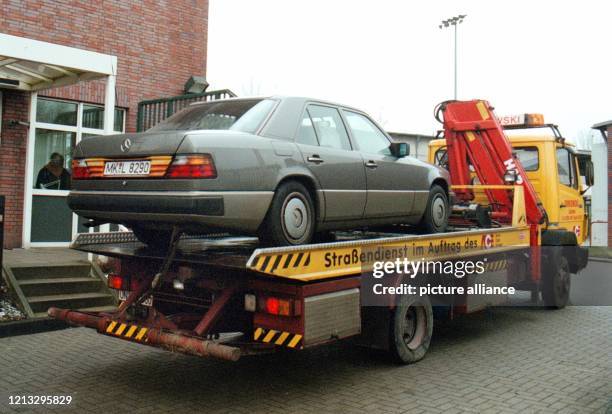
[113, 168]
[123, 295]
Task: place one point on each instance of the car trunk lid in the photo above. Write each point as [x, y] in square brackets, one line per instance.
[133, 145]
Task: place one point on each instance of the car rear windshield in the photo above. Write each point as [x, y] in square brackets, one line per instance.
[245, 115]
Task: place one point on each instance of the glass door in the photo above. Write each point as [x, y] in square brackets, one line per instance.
[56, 127]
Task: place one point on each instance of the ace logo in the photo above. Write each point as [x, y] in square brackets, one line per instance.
[487, 241]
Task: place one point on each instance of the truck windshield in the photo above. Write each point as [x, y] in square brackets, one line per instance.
[245, 115]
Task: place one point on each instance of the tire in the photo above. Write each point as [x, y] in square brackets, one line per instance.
[556, 281]
[411, 329]
[435, 218]
[153, 238]
[291, 218]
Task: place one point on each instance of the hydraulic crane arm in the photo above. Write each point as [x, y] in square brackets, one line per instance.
[475, 138]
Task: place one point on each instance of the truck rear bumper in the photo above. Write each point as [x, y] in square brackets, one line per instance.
[172, 341]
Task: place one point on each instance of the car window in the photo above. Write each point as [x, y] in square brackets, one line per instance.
[329, 127]
[369, 138]
[244, 115]
[306, 132]
[564, 167]
[529, 158]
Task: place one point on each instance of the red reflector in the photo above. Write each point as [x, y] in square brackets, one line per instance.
[116, 282]
[192, 166]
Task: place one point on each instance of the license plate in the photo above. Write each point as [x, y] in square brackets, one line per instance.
[123, 295]
[114, 168]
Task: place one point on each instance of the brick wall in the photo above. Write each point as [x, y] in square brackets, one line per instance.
[158, 45]
[16, 105]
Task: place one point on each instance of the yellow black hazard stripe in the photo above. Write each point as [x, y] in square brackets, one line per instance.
[269, 263]
[127, 331]
[281, 338]
[496, 266]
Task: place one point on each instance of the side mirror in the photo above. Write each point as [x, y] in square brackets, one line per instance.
[589, 173]
[399, 149]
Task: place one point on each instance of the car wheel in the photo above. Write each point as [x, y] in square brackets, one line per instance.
[411, 329]
[153, 238]
[291, 219]
[435, 218]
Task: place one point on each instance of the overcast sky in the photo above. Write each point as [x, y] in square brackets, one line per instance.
[390, 59]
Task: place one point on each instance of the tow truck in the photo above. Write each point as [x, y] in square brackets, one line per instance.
[226, 297]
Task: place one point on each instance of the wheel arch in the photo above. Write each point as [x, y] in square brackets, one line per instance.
[311, 185]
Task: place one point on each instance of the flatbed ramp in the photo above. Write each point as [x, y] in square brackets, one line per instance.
[353, 254]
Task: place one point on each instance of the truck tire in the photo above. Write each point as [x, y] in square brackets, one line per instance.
[435, 218]
[153, 238]
[411, 329]
[556, 281]
[291, 218]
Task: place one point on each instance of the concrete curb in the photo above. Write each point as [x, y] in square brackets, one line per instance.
[30, 326]
[600, 259]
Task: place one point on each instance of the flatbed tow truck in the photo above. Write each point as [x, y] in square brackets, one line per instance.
[225, 297]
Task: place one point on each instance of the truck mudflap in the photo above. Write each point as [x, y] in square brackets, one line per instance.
[153, 336]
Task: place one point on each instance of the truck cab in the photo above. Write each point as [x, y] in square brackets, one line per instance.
[560, 174]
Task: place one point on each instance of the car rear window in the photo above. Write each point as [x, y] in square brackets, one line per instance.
[245, 115]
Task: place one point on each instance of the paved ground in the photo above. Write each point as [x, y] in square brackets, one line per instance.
[503, 360]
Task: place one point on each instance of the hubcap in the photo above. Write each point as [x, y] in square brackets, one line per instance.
[438, 211]
[414, 327]
[563, 281]
[295, 217]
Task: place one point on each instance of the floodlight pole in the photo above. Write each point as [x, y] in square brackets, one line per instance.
[454, 21]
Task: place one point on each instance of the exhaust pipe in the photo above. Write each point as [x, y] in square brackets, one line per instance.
[167, 340]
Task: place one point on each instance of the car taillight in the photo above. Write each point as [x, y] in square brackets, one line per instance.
[192, 166]
[80, 170]
[118, 282]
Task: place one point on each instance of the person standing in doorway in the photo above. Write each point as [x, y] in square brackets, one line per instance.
[54, 176]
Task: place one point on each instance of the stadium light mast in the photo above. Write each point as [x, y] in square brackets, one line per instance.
[454, 22]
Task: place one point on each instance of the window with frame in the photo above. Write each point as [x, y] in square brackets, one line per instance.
[59, 126]
[529, 158]
[306, 133]
[565, 168]
[329, 127]
[367, 136]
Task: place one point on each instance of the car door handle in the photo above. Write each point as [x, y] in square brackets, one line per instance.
[314, 158]
[371, 164]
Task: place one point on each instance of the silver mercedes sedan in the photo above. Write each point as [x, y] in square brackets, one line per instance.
[286, 169]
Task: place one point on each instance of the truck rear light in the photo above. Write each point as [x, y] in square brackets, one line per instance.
[118, 282]
[80, 170]
[192, 166]
[276, 306]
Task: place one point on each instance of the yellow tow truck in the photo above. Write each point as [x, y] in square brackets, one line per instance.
[560, 174]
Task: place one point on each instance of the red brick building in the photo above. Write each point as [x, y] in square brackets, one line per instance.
[158, 46]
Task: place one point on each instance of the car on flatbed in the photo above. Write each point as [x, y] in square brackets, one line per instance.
[282, 168]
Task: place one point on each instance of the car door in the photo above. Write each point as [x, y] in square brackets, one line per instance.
[323, 140]
[391, 182]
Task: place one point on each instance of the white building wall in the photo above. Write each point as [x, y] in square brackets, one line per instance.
[599, 192]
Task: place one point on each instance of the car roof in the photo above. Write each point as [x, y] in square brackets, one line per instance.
[304, 99]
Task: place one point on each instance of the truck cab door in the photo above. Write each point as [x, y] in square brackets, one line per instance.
[326, 149]
[571, 202]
